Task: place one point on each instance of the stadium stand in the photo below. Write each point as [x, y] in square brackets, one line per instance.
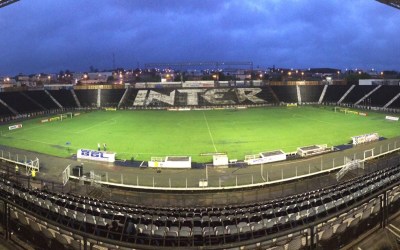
[4, 111]
[229, 97]
[41, 98]
[334, 93]
[20, 102]
[160, 98]
[64, 97]
[395, 104]
[286, 94]
[87, 97]
[382, 95]
[268, 95]
[357, 93]
[129, 98]
[38, 102]
[111, 97]
[311, 93]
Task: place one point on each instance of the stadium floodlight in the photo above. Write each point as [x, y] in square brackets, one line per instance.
[4, 3]
[393, 3]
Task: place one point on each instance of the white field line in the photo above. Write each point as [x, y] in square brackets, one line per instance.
[209, 132]
[16, 131]
[111, 121]
[36, 141]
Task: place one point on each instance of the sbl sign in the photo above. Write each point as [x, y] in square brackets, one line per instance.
[95, 155]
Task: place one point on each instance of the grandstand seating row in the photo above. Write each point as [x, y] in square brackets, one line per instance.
[207, 226]
[39, 100]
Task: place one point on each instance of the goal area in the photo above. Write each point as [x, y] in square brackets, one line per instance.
[340, 109]
[68, 115]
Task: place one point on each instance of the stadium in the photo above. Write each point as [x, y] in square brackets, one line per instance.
[200, 165]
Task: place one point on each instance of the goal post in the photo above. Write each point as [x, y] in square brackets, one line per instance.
[340, 109]
[66, 116]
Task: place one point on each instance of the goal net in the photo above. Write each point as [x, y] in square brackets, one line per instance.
[342, 110]
[66, 116]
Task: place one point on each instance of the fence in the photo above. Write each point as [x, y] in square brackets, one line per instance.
[241, 177]
[229, 178]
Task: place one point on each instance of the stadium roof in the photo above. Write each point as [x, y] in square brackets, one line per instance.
[4, 3]
[393, 3]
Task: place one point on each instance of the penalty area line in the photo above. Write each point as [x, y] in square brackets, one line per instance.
[209, 132]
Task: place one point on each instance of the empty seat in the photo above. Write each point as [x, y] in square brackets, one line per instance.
[295, 243]
[63, 239]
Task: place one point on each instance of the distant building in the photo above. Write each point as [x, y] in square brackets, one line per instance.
[91, 78]
[323, 73]
[392, 82]
[7, 82]
[23, 80]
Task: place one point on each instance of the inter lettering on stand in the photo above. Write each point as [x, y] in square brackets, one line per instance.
[192, 97]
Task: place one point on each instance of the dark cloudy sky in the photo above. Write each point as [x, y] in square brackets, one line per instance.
[50, 35]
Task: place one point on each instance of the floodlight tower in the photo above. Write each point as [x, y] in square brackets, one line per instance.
[393, 3]
[4, 3]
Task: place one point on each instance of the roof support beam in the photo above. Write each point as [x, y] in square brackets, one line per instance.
[4, 3]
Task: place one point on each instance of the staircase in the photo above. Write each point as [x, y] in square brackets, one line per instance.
[345, 94]
[322, 94]
[298, 94]
[54, 99]
[76, 98]
[98, 98]
[366, 96]
[273, 94]
[11, 109]
[35, 102]
[123, 97]
[391, 101]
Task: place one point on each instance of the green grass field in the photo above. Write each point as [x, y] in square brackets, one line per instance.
[143, 134]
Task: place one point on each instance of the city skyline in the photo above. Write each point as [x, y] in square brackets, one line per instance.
[49, 36]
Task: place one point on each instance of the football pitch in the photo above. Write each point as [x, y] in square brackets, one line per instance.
[143, 134]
